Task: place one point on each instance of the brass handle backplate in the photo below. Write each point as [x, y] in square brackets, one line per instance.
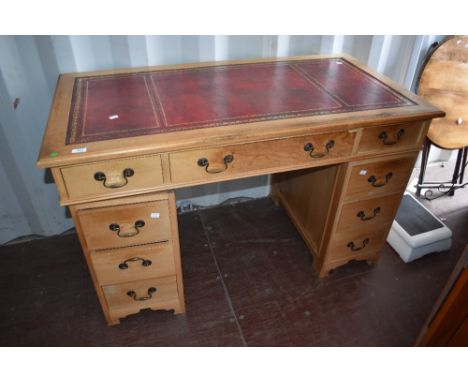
[373, 180]
[136, 229]
[362, 215]
[353, 247]
[204, 162]
[115, 182]
[144, 262]
[309, 147]
[133, 294]
[383, 136]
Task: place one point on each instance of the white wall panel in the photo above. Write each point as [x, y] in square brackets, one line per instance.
[29, 66]
[21, 132]
[398, 57]
[13, 222]
[304, 45]
[358, 46]
[137, 52]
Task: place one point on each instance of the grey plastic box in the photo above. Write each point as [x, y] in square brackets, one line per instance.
[417, 232]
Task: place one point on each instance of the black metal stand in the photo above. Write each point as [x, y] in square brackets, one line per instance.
[448, 187]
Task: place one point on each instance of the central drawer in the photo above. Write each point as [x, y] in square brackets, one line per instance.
[125, 225]
[274, 156]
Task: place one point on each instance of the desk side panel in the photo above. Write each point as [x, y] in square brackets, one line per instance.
[307, 197]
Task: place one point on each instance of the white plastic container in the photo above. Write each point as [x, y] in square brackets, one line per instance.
[417, 232]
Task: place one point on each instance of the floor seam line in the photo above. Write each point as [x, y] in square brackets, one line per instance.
[226, 292]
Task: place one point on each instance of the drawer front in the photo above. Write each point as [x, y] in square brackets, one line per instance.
[356, 245]
[134, 263]
[136, 295]
[226, 161]
[112, 177]
[379, 178]
[125, 225]
[367, 215]
[391, 138]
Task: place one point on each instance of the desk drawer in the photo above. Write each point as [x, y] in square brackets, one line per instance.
[133, 296]
[134, 263]
[391, 137]
[381, 177]
[367, 215]
[356, 245]
[125, 225]
[223, 162]
[112, 177]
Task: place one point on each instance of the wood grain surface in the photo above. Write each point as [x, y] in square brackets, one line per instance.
[444, 83]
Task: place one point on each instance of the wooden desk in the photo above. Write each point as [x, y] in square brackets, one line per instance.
[341, 140]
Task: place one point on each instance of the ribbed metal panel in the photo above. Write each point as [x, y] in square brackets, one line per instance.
[29, 66]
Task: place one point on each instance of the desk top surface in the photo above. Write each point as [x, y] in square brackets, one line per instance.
[151, 108]
[125, 105]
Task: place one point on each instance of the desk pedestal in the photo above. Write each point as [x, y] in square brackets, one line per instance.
[344, 212]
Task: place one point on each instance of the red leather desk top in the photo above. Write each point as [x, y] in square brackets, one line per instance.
[127, 105]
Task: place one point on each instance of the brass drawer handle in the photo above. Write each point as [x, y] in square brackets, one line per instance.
[116, 228]
[373, 180]
[310, 148]
[383, 136]
[133, 295]
[144, 262]
[120, 182]
[353, 247]
[203, 162]
[361, 214]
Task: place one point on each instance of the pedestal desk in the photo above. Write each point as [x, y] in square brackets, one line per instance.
[340, 139]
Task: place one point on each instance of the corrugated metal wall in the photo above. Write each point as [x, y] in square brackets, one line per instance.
[29, 66]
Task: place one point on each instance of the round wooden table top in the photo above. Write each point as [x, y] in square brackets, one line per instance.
[444, 83]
